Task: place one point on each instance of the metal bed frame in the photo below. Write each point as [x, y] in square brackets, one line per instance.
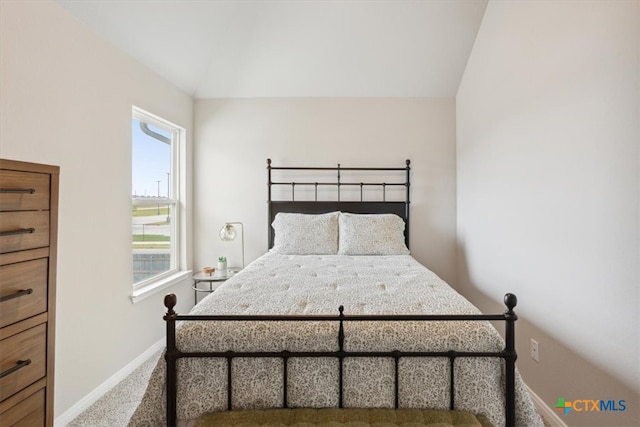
[173, 354]
[400, 208]
[508, 353]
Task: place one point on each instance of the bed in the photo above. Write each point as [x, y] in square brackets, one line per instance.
[337, 314]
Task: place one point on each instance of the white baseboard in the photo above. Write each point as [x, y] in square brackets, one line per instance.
[549, 415]
[84, 403]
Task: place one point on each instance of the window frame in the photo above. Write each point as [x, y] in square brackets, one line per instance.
[175, 199]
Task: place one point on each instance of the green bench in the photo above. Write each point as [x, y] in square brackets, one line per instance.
[334, 417]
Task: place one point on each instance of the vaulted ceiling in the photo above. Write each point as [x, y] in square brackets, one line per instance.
[297, 48]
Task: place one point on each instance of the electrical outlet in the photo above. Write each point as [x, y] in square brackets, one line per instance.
[535, 355]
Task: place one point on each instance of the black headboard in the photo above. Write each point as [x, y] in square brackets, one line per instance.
[400, 208]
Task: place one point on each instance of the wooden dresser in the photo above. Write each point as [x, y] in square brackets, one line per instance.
[28, 238]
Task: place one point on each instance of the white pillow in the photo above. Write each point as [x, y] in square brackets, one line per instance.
[371, 234]
[304, 234]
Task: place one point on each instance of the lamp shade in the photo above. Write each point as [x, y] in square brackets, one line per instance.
[228, 232]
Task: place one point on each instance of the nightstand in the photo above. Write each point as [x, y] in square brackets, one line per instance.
[211, 279]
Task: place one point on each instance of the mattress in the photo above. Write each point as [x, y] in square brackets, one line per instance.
[319, 284]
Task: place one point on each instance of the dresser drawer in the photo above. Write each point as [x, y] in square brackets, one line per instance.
[23, 191]
[23, 230]
[23, 290]
[28, 413]
[17, 350]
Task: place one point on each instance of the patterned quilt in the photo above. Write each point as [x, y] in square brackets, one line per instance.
[319, 284]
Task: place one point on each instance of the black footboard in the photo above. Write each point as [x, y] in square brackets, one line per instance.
[508, 353]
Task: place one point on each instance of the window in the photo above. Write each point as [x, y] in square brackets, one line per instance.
[155, 199]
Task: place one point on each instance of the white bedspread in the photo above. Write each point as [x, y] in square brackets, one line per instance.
[284, 284]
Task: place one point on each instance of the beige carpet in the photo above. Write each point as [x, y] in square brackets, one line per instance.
[115, 408]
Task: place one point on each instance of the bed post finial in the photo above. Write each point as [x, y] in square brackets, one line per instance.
[510, 300]
[407, 162]
[170, 301]
[268, 163]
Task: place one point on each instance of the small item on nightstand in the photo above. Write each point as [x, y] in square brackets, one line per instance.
[222, 265]
[208, 270]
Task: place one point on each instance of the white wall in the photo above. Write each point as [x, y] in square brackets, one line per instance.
[548, 192]
[234, 137]
[65, 99]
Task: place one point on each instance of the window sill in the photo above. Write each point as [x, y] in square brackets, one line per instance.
[157, 286]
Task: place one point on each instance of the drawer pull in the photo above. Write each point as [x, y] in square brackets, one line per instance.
[19, 365]
[19, 231]
[16, 295]
[17, 190]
